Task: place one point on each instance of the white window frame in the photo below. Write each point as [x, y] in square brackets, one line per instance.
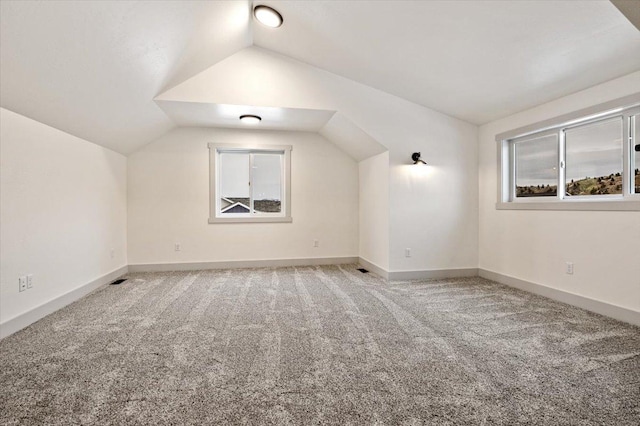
[253, 217]
[625, 108]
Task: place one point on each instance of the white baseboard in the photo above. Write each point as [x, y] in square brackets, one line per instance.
[21, 321]
[617, 312]
[417, 274]
[372, 267]
[235, 264]
[602, 308]
[432, 274]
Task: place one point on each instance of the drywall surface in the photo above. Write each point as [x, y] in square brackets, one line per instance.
[374, 210]
[535, 245]
[433, 210]
[434, 207]
[63, 209]
[168, 193]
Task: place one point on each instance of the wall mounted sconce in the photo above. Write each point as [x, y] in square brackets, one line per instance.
[416, 158]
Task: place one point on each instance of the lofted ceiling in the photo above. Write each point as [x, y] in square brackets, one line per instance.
[93, 69]
[204, 114]
[474, 60]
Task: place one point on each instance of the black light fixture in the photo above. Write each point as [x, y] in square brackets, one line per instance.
[267, 16]
[638, 148]
[416, 158]
[250, 119]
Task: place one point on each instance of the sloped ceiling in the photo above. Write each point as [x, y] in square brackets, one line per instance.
[93, 69]
[474, 60]
[367, 122]
[202, 114]
[630, 9]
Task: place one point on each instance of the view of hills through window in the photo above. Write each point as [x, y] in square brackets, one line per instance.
[593, 157]
[537, 167]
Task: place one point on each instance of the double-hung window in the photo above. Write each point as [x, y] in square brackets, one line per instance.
[585, 161]
[250, 184]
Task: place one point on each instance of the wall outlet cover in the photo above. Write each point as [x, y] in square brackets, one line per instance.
[569, 269]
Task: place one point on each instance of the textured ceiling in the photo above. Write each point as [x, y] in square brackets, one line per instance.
[93, 68]
[474, 60]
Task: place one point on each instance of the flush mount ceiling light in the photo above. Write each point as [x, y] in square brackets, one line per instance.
[250, 119]
[416, 158]
[267, 16]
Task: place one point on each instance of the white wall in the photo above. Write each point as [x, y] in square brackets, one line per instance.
[63, 209]
[435, 214]
[374, 210]
[534, 245]
[168, 201]
[434, 208]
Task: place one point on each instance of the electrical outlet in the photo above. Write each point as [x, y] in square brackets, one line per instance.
[177, 247]
[407, 252]
[316, 243]
[29, 281]
[569, 268]
[22, 283]
[112, 253]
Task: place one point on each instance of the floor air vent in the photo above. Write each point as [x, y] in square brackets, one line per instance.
[119, 281]
[364, 271]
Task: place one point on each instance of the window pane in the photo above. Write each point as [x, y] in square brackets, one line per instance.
[636, 153]
[594, 158]
[537, 167]
[267, 183]
[234, 183]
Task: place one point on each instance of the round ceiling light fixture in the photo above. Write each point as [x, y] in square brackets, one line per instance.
[250, 119]
[268, 16]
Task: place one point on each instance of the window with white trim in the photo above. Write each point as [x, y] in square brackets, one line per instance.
[589, 162]
[635, 153]
[250, 184]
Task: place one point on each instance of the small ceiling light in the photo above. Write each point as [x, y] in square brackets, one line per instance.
[268, 16]
[416, 158]
[250, 119]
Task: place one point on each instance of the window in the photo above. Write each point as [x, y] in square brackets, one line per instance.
[250, 184]
[536, 166]
[594, 163]
[635, 152]
[588, 160]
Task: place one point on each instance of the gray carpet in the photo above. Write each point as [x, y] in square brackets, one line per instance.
[318, 345]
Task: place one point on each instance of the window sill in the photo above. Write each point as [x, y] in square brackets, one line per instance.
[216, 220]
[621, 205]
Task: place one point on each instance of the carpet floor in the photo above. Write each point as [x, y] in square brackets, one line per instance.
[318, 345]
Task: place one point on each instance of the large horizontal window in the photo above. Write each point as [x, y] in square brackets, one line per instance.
[586, 162]
[250, 184]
